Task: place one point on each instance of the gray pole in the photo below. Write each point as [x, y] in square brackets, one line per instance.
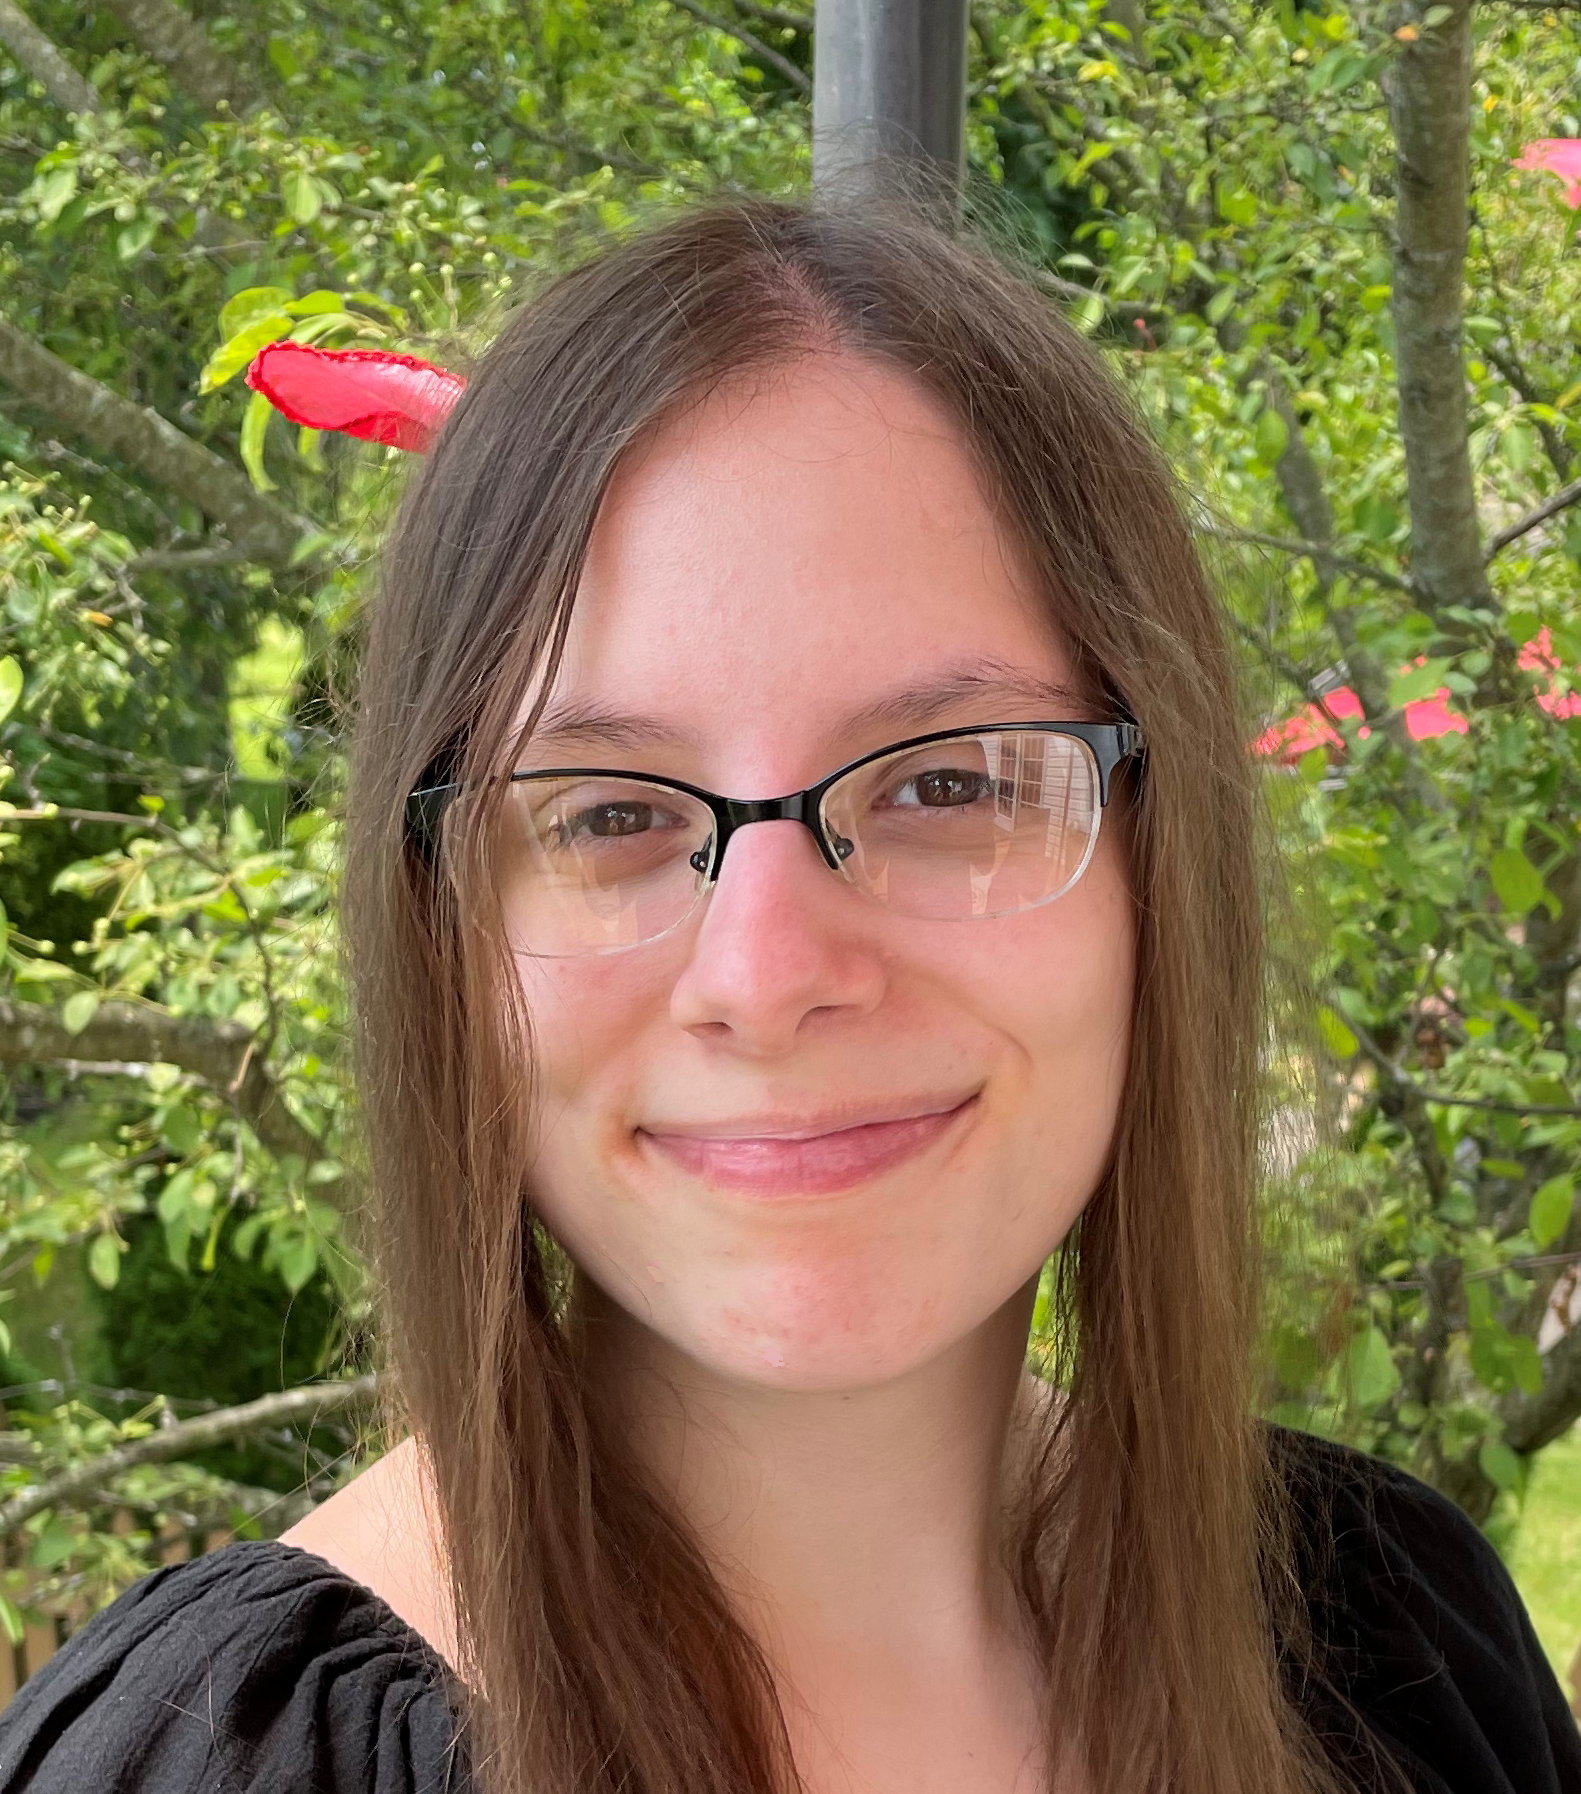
[889, 95]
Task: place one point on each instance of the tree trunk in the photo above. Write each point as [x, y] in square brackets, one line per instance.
[1429, 92]
[38, 55]
[183, 46]
[84, 409]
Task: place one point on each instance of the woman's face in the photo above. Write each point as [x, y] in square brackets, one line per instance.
[808, 1142]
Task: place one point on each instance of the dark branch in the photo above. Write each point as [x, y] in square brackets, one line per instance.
[38, 55]
[224, 1054]
[761, 51]
[185, 1438]
[776, 15]
[1550, 507]
[169, 36]
[1319, 553]
[81, 407]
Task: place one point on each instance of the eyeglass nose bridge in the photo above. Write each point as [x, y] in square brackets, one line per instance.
[732, 813]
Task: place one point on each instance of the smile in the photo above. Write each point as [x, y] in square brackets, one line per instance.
[757, 1160]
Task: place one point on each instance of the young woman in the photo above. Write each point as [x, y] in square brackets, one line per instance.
[801, 879]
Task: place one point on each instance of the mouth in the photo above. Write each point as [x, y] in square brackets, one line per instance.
[761, 1159]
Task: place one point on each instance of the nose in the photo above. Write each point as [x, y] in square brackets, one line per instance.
[781, 947]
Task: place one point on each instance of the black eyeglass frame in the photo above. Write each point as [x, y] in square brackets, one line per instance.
[1109, 743]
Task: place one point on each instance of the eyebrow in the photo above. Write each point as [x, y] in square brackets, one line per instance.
[973, 682]
[908, 708]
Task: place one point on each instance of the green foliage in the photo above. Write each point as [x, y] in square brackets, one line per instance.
[1216, 199]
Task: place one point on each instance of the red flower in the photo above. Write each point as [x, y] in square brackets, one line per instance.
[370, 393]
[1560, 156]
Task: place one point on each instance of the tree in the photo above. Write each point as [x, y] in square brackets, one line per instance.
[1259, 209]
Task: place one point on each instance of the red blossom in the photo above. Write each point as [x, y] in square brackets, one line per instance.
[369, 393]
[1560, 156]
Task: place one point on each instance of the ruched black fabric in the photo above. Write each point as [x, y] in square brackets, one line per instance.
[262, 1670]
[253, 1670]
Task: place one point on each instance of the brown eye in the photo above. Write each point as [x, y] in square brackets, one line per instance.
[605, 820]
[944, 789]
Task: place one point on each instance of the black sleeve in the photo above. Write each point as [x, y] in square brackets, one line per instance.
[254, 1670]
[1426, 1642]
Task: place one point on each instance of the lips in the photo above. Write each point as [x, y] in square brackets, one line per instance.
[765, 1160]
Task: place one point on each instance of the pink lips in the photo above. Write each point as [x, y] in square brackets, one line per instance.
[810, 1164]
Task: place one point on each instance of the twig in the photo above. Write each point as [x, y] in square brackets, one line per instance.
[756, 45]
[776, 15]
[177, 560]
[1561, 501]
[1317, 552]
[1073, 289]
[187, 1437]
[1407, 1085]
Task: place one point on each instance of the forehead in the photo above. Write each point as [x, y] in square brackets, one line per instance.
[798, 548]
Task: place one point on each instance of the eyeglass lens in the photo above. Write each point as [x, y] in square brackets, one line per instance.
[974, 825]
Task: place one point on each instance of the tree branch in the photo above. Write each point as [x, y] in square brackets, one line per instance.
[224, 1054]
[38, 55]
[1561, 501]
[187, 1437]
[1319, 553]
[1429, 92]
[776, 15]
[183, 46]
[258, 528]
[760, 50]
[1533, 1421]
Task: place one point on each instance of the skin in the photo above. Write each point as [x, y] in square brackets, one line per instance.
[828, 1383]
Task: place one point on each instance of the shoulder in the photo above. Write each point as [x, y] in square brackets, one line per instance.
[258, 1666]
[1420, 1632]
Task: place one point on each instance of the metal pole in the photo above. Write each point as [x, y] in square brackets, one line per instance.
[889, 97]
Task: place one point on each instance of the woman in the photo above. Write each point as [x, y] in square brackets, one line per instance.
[720, 1143]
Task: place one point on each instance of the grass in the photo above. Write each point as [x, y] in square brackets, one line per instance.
[1544, 1554]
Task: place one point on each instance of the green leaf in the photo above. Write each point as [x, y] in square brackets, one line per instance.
[1337, 1037]
[1500, 1465]
[1417, 682]
[54, 190]
[1549, 1214]
[1296, 1358]
[1525, 1362]
[53, 1545]
[1370, 1371]
[104, 1261]
[247, 306]
[303, 198]
[180, 1129]
[1516, 880]
[135, 237]
[296, 1262]
[230, 358]
[1236, 205]
[12, 1621]
[1272, 435]
[10, 685]
[254, 423]
[78, 1010]
[312, 304]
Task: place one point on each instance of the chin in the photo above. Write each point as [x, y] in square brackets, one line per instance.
[820, 1333]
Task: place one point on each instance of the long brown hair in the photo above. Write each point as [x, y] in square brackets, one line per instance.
[1154, 1566]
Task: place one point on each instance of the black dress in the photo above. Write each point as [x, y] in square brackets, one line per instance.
[260, 1670]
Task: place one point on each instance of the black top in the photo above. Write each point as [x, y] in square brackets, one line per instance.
[261, 1669]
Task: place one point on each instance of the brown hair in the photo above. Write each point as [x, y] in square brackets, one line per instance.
[1155, 1554]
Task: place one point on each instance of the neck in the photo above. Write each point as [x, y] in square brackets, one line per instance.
[851, 1527]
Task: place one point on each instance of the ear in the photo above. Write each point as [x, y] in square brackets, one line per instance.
[369, 393]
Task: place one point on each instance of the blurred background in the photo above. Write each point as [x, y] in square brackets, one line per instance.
[1331, 249]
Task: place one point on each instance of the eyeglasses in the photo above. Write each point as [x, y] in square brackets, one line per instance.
[972, 823]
